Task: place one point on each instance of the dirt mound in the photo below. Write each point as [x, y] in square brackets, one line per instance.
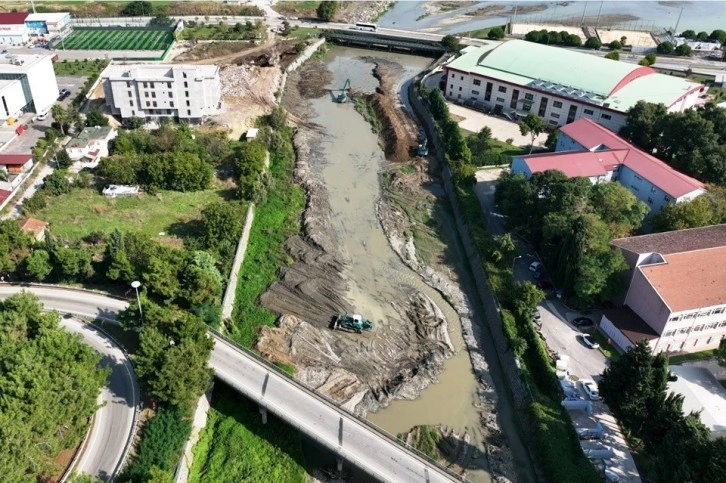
[316, 76]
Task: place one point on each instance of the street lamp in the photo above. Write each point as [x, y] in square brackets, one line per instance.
[514, 260]
[136, 284]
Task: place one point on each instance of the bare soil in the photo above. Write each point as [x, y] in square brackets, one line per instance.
[499, 10]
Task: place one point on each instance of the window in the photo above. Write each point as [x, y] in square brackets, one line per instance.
[652, 189]
[500, 99]
[459, 88]
[186, 93]
[128, 84]
[554, 123]
[529, 97]
[171, 95]
[186, 84]
[148, 104]
[168, 85]
[168, 111]
[515, 98]
[718, 311]
[684, 330]
[650, 200]
[557, 104]
[668, 333]
[488, 92]
[674, 318]
[171, 104]
[462, 77]
[689, 316]
[698, 328]
[607, 117]
[184, 74]
[189, 112]
[451, 86]
[638, 178]
[154, 103]
[555, 115]
[144, 85]
[453, 75]
[153, 94]
[131, 103]
[476, 93]
[502, 89]
[589, 112]
[188, 103]
[477, 82]
[527, 106]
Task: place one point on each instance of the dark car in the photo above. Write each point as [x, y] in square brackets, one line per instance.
[544, 285]
[63, 94]
[583, 323]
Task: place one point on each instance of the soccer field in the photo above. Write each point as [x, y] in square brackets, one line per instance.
[117, 39]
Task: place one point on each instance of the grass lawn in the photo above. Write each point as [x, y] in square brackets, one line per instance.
[500, 147]
[214, 32]
[481, 33]
[82, 211]
[122, 38]
[302, 33]
[236, 446]
[696, 356]
[307, 5]
[79, 68]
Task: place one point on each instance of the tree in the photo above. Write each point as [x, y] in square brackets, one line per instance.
[137, 9]
[133, 122]
[326, 10]
[623, 40]
[120, 169]
[618, 208]
[496, 33]
[665, 48]
[684, 50]
[456, 147]
[480, 145]
[451, 42]
[56, 184]
[221, 225]
[644, 125]
[72, 263]
[702, 36]
[96, 118]
[615, 45]
[718, 35]
[162, 21]
[526, 297]
[551, 142]
[202, 280]
[612, 55]
[593, 43]
[687, 214]
[438, 106]
[532, 125]
[573, 40]
[60, 116]
[63, 160]
[689, 34]
[649, 59]
[171, 361]
[37, 265]
[278, 118]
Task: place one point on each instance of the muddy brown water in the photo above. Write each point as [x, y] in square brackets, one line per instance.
[350, 164]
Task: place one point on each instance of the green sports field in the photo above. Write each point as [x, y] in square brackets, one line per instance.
[117, 39]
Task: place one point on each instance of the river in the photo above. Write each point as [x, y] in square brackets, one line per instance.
[650, 15]
[351, 163]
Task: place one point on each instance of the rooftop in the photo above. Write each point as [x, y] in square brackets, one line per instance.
[575, 163]
[701, 393]
[32, 225]
[599, 81]
[15, 159]
[47, 17]
[89, 134]
[20, 63]
[630, 324]
[675, 241]
[591, 135]
[13, 18]
[160, 72]
[690, 280]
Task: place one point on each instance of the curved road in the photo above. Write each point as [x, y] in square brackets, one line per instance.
[115, 420]
[358, 442]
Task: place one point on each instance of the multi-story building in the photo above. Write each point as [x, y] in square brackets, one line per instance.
[183, 92]
[676, 299]
[48, 25]
[27, 84]
[12, 28]
[585, 148]
[560, 85]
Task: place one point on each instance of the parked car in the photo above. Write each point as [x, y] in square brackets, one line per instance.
[583, 323]
[590, 341]
[42, 116]
[545, 285]
[63, 94]
[591, 389]
[535, 267]
[536, 315]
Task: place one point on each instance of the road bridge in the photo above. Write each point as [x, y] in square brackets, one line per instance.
[385, 41]
[349, 436]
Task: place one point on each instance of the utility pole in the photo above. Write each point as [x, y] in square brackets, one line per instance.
[514, 19]
[675, 30]
[597, 22]
[33, 4]
[582, 20]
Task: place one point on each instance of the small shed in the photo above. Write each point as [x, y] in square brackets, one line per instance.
[34, 227]
[252, 134]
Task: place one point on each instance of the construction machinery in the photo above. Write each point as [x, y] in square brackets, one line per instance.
[423, 148]
[343, 96]
[353, 322]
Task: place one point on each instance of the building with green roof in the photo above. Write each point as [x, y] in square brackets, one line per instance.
[560, 85]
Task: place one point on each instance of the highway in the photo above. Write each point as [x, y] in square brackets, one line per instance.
[351, 438]
[115, 421]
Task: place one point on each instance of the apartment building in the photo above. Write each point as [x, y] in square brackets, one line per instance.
[559, 85]
[188, 93]
[27, 84]
[676, 298]
[585, 148]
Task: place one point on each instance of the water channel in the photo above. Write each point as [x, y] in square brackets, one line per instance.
[350, 165]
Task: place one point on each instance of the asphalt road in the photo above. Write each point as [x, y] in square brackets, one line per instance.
[114, 422]
[355, 441]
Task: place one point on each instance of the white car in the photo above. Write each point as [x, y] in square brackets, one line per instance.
[590, 341]
[42, 116]
[591, 389]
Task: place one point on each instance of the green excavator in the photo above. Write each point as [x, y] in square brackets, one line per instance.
[353, 322]
[343, 96]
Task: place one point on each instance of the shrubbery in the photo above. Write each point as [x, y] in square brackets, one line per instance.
[553, 38]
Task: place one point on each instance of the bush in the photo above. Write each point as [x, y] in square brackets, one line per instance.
[495, 33]
[615, 45]
[665, 48]
[613, 55]
[35, 203]
[63, 160]
[593, 43]
[684, 50]
[56, 184]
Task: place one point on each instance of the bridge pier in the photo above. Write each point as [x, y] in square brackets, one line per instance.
[339, 463]
[263, 413]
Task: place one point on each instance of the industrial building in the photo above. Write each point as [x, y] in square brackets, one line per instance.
[27, 84]
[676, 299]
[183, 92]
[587, 149]
[558, 84]
[12, 28]
[48, 24]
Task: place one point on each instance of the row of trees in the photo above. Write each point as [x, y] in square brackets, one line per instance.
[49, 386]
[668, 48]
[571, 223]
[553, 38]
[715, 36]
[635, 388]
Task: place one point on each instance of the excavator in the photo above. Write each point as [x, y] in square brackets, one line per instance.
[343, 96]
[354, 322]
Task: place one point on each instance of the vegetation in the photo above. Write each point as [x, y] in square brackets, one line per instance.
[684, 50]
[194, 31]
[426, 440]
[236, 446]
[648, 60]
[451, 42]
[533, 125]
[80, 68]
[49, 388]
[553, 38]
[593, 43]
[679, 447]
[162, 442]
[665, 48]
[276, 219]
[615, 45]
[613, 55]
[326, 10]
[687, 214]
[495, 33]
[483, 33]
[96, 118]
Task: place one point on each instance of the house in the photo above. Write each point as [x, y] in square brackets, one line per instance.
[91, 144]
[588, 149]
[14, 169]
[153, 91]
[676, 299]
[559, 85]
[34, 227]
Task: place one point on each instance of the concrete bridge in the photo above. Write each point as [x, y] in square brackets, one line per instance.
[387, 41]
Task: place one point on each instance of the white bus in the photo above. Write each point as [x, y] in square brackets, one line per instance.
[368, 27]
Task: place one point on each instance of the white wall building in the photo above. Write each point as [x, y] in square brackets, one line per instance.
[184, 92]
[27, 84]
[12, 28]
[48, 24]
[560, 85]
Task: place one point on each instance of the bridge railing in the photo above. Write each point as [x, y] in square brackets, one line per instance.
[330, 402]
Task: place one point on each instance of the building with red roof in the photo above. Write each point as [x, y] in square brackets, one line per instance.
[587, 149]
[13, 30]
